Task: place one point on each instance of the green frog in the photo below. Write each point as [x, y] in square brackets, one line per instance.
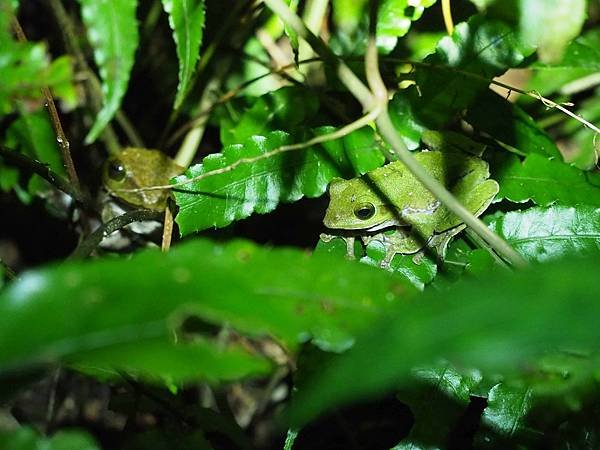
[391, 206]
[137, 168]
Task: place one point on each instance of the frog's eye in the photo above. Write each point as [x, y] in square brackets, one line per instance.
[116, 170]
[364, 211]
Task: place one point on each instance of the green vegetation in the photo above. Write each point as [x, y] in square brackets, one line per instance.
[256, 327]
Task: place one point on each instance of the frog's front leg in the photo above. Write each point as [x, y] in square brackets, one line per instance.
[401, 240]
[440, 241]
[349, 240]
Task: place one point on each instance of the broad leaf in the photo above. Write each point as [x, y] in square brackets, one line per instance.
[347, 14]
[112, 30]
[419, 273]
[90, 315]
[28, 439]
[541, 234]
[544, 181]
[483, 48]
[284, 109]
[551, 24]
[505, 412]
[394, 19]
[186, 19]
[586, 151]
[25, 68]
[161, 360]
[510, 125]
[581, 58]
[33, 135]
[260, 186]
[437, 400]
[477, 323]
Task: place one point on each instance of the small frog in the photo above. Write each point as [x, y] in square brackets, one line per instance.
[391, 198]
[137, 168]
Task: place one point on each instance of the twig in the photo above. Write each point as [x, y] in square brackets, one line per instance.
[167, 229]
[61, 138]
[15, 158]
[200, 117]
[447, 13]
[8, 271]
[534, 94]
[87, 246]
[341, 132]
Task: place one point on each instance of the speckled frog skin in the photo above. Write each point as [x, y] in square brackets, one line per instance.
[390, 197]
[137, 168]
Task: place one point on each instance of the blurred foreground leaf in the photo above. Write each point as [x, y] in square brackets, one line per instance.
[118, 313]
[477, 323]
[27, 439]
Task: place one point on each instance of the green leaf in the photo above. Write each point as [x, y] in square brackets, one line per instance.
[506, 409]
[186, 19]
[419, 270]
[417, 273]
[437, 401]
[551, 24]
[283, 109]
[347, 14]
[259, 187]
[582, 53]
[159, 360]
[290, 33]
[394, 19]
[477, 323]
[484, 48]
[510, 125]
[25, 68]
[581, 58]
[112, 30]
[541, 234]
[482, 4]
[586, 153]
[544, 181]
[127, 309]
[33, 135]
[27, 439]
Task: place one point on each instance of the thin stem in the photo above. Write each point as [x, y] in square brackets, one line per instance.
[341, 132]
[167, 229]
[32, 166]
[345, 74]
[481, 243]
[87, 246]
[387, 130]
[61, 138]
[533, 94]
[313, 16]
[447, 13]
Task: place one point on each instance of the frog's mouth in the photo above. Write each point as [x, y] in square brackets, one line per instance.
[385, 224]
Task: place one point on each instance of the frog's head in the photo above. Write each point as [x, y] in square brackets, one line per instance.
[136, 168]
[354, 205]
